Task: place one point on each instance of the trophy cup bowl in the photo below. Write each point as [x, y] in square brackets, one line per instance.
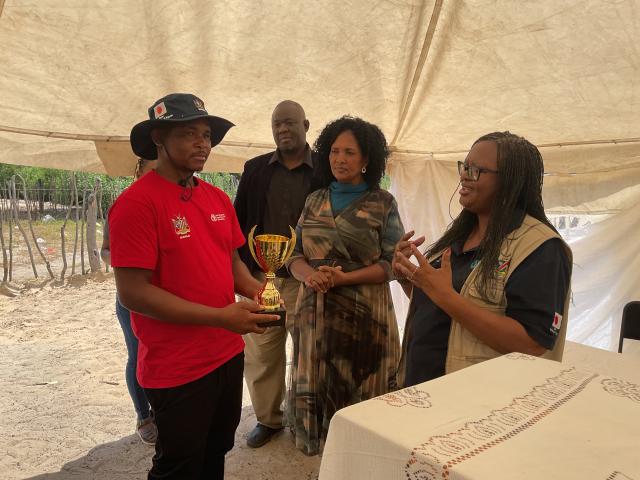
[271, 252]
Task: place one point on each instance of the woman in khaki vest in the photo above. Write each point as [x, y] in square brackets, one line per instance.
[498, 279]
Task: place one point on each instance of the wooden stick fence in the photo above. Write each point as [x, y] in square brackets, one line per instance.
[78, 199]
[19, 207]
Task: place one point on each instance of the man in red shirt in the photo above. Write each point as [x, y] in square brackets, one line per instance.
[174, 243]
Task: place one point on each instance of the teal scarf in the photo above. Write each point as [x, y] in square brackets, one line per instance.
[342, 194]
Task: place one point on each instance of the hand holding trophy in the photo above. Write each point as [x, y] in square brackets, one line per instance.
[271, 252]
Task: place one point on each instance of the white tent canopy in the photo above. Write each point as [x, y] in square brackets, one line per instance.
[434, 75]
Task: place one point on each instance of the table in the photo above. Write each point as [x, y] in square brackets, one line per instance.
[631, 347]
[513, 417]
[604, 361]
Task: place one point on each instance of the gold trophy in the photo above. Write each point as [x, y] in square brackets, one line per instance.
[271, 252]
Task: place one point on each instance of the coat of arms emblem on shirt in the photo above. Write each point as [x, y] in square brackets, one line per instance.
[181, 226]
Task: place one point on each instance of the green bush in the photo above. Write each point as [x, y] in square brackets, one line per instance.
[55, 185]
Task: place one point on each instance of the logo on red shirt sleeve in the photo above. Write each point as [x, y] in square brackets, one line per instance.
[181, 226]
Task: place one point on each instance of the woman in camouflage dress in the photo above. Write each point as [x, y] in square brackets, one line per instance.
[346, 344]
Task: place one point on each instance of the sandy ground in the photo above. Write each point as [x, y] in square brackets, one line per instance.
[64, 408]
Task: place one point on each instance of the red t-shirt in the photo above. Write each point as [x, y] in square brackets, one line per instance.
[188, 245]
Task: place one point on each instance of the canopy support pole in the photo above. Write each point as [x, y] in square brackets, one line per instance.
[426, 46]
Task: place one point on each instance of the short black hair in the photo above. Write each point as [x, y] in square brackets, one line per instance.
[371, 141]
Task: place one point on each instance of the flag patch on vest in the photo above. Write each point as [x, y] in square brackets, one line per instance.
[557, 323]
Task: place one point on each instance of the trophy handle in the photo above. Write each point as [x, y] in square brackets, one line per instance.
[292, 244]
[251, 242]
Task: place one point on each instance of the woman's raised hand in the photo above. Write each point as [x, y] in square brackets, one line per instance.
[404, 248]
[436, 283]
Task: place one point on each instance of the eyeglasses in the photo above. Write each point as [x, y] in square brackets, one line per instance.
[472, 171]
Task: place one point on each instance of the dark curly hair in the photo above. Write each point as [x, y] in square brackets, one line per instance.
[520, 174]
[371, 141]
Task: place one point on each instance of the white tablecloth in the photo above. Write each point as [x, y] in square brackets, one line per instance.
[514, 417]
[604, 361]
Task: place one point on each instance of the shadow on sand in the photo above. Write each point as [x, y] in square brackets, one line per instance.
[128, 458]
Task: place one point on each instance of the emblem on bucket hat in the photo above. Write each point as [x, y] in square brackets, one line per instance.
[199, 104]
[174, 108]
[160, 110]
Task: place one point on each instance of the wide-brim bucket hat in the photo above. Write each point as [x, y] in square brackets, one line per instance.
[174, 108]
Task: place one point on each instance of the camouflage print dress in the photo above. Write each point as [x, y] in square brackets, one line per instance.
[346, 344]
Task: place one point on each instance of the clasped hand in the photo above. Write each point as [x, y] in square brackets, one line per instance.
[324, 278]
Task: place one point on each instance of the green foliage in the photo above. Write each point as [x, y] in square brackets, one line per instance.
[227, 182]
[55, 184]
[385, 182]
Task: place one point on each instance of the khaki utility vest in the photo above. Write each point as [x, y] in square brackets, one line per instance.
[464, 348]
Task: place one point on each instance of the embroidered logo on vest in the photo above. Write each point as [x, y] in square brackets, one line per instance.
[502, 268]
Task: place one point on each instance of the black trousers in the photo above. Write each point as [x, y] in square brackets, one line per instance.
[197, 424]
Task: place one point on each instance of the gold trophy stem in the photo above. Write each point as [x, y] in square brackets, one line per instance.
[269, 296]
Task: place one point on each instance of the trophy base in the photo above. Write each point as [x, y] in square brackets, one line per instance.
[274, 323]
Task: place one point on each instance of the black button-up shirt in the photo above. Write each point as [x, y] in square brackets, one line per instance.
[286, 194]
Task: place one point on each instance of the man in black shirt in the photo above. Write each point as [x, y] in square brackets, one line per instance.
[271, 195]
